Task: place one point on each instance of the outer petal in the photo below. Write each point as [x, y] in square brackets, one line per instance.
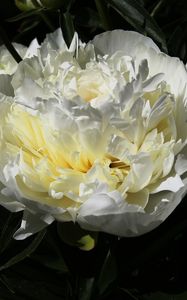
[140, 47]
[119, 40]
[54, 41]
[10, 203]
[128, 220]
[32, 223]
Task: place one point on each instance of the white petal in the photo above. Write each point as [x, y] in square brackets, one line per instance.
[140, 198]
[5, 85]
[102, 203]
[32, 49]
[54, 41]
[140, 174]
[141, 47]
[118, 40]
[181, 162]
[173, 183]
[130, 220]
[32, 223]
[9, 202]
[172, 68]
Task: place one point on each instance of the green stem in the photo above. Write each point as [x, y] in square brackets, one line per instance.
[9, 46]
[103, 13]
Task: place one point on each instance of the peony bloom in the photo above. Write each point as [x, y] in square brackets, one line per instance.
[96, 134]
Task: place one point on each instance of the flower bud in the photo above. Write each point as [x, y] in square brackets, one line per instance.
[24, 5]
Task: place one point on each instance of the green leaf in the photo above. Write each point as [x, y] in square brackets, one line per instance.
[130, 294]
[25, 15]
[73, 235]
[102, 9]
[157, 7]
[9, 46]
[26, 252]
[52, 4]
[52, 262]
[41, 12]
[3, 281]
[85, 288]
[8, 230]
[88, 17]
[177, 41]
[108, 273]
[50, 254]
[67, 26]
[139, 18]
[27, 281]
[25, 28]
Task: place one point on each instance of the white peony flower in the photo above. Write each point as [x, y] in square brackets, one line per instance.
[95, 134]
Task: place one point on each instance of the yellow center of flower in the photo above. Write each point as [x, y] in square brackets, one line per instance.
[92, 85]
[48, 166]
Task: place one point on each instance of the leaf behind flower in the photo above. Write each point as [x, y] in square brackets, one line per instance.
[26, 252]
[139, 18]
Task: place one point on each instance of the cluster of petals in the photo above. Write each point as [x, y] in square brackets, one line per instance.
[95, 133]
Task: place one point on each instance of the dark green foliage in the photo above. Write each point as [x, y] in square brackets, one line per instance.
[149, 267]
[163, 20]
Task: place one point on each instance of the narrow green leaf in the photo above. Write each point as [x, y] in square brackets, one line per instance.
[158, 6]
[130, 294]
[51, 262]
[41, 12]
[25, 15]
[26, 252]
[47, 20]
[108, 273]
[139, 18]
[9, 46]
[52, 4]
[67, 26]
[67, 4]
[102, 9]
[3, 280]
[50, 255]
[25, 28]
[8, 230]
[88, 17]
[85, 288]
